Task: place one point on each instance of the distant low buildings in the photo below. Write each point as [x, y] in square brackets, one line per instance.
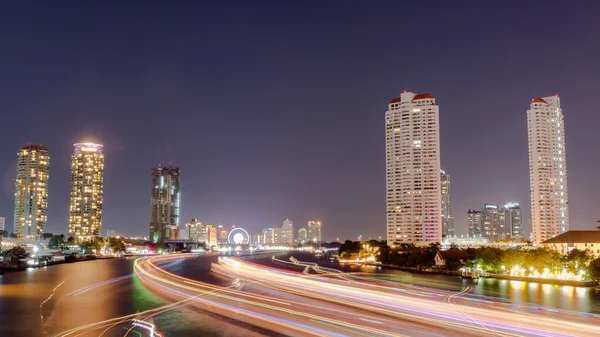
[283, 235]
[196, 231]
[111, 232]
[496, 223]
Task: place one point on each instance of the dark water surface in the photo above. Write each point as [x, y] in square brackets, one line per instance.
[561, 297]
[46, 301]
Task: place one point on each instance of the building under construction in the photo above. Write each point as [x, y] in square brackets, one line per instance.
[165, 203]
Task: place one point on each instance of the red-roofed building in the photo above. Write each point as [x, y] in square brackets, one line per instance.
[423, 96]
[442, 256]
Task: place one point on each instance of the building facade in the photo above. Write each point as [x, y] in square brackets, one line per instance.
[222, 235]
[268, 236]
[447, 220]
[496, 223]
[87, 190]
[514, 224]
[302, 236]
[413, 196]
[287, 233]
[111, 232]
[31, 191]
[547, 169]
[2, 225]
[575, 239]
[314, 232]
[211, 234]
[492, 225]
[196, 231]
[474, 223]
[165, 203]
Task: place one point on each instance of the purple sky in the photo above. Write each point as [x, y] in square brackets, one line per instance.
[275, 109]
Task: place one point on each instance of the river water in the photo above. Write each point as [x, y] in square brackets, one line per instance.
[45, 301]
[581, 299]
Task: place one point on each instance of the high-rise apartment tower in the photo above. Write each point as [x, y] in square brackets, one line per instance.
[547, 168]
[31, 191]
[413, 196]
[87, 188]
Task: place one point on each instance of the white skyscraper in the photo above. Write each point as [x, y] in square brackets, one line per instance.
[547, 168]
[413, 197]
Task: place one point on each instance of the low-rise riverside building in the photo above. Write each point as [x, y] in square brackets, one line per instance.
[575, 239]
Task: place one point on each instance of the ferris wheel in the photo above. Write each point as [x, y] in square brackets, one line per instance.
[238, 236]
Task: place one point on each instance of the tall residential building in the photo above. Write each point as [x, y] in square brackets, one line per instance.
[547, 168]
[87, 188]
[447, 220]
[474, 223]
[287, 233]
[31, 191]
[302, 236]
[413, 196]
[165, 202]
[2, 228]
[514, 224]
[314, 231]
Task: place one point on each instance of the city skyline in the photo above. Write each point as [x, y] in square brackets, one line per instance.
[317, 157]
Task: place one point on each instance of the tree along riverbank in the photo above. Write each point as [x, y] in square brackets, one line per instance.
[455, 273]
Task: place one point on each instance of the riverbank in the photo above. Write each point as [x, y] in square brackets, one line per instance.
[4, 268]
[573, 283]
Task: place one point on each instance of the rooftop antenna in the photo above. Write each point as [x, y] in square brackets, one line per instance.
[170, 155]
[160, 161]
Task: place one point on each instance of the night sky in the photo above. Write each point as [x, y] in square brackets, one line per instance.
[276, 109]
